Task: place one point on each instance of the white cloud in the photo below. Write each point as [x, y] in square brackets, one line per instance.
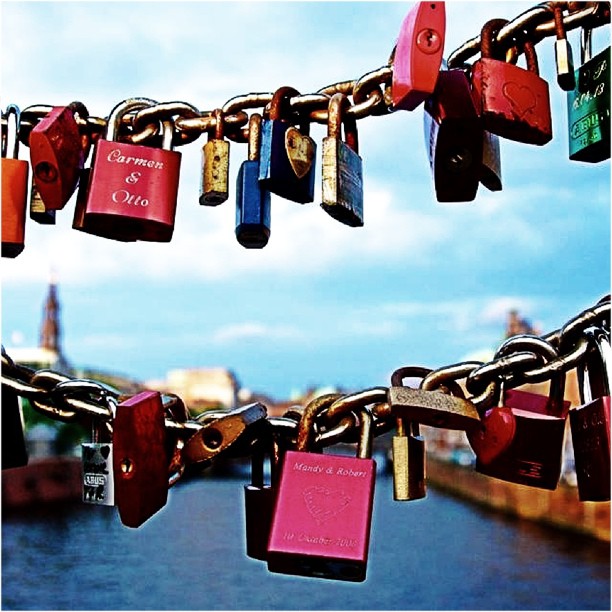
[252, 330]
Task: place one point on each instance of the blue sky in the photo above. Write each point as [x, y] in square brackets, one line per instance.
[422, 283]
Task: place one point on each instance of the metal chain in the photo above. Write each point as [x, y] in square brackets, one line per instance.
[370, 93]
[333, 418]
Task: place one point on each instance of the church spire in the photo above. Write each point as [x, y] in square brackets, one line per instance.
[50, 328]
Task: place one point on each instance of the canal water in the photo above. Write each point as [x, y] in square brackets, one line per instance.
[439, 553]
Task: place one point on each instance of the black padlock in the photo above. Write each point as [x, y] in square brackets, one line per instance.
[454, 138]
[14, 451]
[287, 158]
[253, 202]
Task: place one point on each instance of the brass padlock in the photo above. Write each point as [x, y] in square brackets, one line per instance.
[216, 162]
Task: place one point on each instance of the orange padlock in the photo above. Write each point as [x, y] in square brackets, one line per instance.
[14, 189]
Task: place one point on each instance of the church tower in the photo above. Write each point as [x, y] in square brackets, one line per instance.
[50, 328]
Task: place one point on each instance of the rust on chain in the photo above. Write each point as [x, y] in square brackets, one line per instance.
[306, 429]
[355, 402]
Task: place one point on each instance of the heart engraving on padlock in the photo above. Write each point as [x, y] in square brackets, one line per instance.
[521, 97]
[300, 151]
[324, 503]
[498, 428]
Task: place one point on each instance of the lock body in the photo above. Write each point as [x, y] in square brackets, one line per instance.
[253, 207]
[590, 427]
[520, 443]
[418, 54]
[408, 465]
[588, 108]
[14, 450]
[57, 155]
[321, 523]
[342, 192]
[215, 174]
[140, 460]
[14, 202]
[135, 187]
[454, 138]
[98, 475]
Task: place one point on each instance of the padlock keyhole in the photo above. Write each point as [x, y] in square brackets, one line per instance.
[212, 438]
[127, 468]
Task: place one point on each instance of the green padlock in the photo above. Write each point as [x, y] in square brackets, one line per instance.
[588, 106]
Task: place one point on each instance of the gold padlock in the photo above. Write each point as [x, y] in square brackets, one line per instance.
[215, 159]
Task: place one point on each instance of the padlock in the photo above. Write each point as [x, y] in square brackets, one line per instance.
[229, 430]
[140, 460]
[454, 138]
[57, 152]
[590, 422]
[408, 452]
[588, 106]
[418, 55]
[323, 511]
[563, 53]
[97, 468]
[14, 189]
[253, 202]
[38, 210]
[513, 102]
[259, 497]
[215, 162]
[432, 407]
[287, 157]
[490, 169]
[14, 450]
[521, 440]
[131, 186]
[342, 168]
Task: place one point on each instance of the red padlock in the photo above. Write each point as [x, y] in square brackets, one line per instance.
[454, 138]
[58, 151]
[14, 189]
[590, 422]
[418, 54]
[521, 440]
[140, 458]
[323, 511]
[133, 188]
[514, 103]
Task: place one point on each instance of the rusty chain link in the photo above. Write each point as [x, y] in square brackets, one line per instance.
[370, 93]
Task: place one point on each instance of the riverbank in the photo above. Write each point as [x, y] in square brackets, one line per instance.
[559, 508]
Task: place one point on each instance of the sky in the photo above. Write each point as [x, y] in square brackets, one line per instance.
[422, 283]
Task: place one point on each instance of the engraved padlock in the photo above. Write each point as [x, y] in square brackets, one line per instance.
[287, 158]
[590, 422]
[342, 168]
[215, 165]
[418, 54]
[97, 467]
[57, 152]
[323, 511]
[132, 186]
[14, 188]
[253, 202]
[513, 102]
[588, 106]
[521, 440]
[454, 138]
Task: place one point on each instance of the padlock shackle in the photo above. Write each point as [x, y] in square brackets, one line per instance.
[254, 138]
[306, 432]
[217, 131]
[280, 108]
[121, 109]
[337, 117]
[11, 109]
[595, 371]
[487, 32]
[586, 47]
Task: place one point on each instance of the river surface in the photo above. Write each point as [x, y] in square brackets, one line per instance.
[439, 553]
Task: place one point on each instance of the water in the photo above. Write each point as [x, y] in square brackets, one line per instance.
[434, 554]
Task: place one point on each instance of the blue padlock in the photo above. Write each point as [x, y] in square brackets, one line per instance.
[287, 155]
[252, 200]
